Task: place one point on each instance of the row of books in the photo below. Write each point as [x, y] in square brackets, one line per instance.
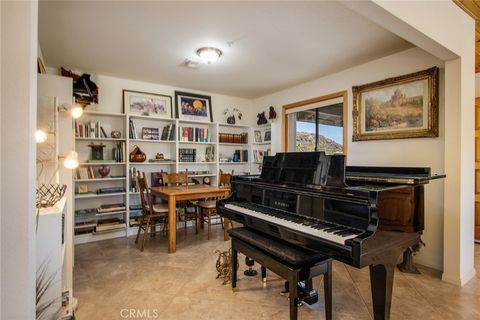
[149, 133]
[189, 134]
[240, 138]
[89, 130]
[187, 155]
[119, 152]
[240, 156]
[110, 224]
[85, 173]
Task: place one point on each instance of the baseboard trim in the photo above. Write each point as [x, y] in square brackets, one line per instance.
[459, 281]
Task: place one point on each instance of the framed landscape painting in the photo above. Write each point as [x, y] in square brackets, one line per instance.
[190, 106]
[147, 104]
[397, 108]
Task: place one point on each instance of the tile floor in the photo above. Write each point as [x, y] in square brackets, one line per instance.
[113, 278]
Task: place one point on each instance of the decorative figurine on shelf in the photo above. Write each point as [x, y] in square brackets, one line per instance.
[231, 115]
[272, 114]
[137, 155]
[97, 151]
[261, 118]
[159, 156]
[116, 134]
[104, 171]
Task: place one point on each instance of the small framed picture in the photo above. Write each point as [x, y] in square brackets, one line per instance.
[267, 136]
[257, 136]
[150, 134]
[82, 188]
[147, 104]
[190, 106]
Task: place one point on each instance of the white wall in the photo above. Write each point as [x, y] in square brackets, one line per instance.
[110, 97]
[426, 152]
[18, 121]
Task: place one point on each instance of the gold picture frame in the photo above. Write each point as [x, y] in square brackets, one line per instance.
[397, 108]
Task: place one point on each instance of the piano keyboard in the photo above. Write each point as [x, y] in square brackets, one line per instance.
[320, 229]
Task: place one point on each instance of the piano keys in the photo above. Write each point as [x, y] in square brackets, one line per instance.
[362, 216]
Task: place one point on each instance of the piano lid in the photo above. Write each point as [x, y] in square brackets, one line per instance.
[390, 175]
[305, 168]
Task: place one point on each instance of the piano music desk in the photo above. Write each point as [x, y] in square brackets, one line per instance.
[178, 193]
[294, 264]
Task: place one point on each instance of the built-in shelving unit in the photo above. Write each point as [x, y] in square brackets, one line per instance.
[154, 136]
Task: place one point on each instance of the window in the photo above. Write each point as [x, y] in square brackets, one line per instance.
[316, 125]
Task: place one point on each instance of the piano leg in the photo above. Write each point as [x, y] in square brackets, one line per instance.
[264, 274]
[327, 291]
[381, 280]
[234, 268]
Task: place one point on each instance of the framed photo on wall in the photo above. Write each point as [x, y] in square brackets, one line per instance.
[147, 104]
[267, 136]
[397, 108]
[258, 136]
[190, 106]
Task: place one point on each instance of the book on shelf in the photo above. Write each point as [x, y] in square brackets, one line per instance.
[110, 227]
[110, 190]
[189, 134]
[137, 206]
[85, 214]
[237, 138]
[150, 133]
[112, 207]
[119, 152]
[92, 129]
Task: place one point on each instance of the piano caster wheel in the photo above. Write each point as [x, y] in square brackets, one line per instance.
[264, 280]
[250, 272]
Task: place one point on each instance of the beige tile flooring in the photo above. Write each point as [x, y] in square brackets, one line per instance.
[113, 276]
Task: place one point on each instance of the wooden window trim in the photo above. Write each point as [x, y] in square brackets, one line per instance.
[340, 94]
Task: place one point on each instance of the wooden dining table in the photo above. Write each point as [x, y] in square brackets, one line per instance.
[178, 193]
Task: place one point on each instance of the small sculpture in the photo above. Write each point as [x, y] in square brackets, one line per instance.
[231, 115]
[116, 134]
[272, 114]
[261, 118]
[224, 265]
[104, 171]
[159, 156]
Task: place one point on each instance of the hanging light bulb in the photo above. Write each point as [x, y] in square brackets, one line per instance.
[71, 161]
[77, 111]
[209, 55]
[40, 136]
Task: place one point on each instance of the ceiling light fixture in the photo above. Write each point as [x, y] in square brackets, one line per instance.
[209, 55]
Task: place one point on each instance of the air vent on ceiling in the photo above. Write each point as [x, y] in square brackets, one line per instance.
[191, 64]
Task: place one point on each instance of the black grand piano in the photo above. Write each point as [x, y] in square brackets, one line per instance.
[361, 216]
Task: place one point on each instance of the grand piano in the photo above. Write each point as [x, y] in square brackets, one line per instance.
[361, 216]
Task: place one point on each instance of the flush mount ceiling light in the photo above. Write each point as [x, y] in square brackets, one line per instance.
[209, 55]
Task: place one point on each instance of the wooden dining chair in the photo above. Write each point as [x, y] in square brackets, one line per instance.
[208, 207]
[152, 213]
[181, 179]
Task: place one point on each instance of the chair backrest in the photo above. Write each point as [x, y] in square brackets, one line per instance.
[175, 179]
[225, 179]
[145, 194]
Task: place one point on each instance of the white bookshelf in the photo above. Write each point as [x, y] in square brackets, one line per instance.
[169, 148]
[259, 146]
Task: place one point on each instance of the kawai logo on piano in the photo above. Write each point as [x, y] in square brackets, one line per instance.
[281, 204]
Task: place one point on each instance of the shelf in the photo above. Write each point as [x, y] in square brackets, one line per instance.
[151, 163]
[99, 139]
[211, 162]
[101, 163]
[99, 179]
[202, 175]
[103, 214]
[154, 141]
[201, 123]
[233, 144]
[137, 116]
[104, 114]
[193, 142]
[233, 163]
[89, 237]
[239, 126]
[101, 195]
[262, 143]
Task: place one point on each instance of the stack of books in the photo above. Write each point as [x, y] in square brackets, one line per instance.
[109, 208]
[110, 224]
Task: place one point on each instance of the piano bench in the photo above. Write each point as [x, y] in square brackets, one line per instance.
[293, 263]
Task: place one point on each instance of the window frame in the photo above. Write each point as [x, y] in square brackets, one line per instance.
[340, 94]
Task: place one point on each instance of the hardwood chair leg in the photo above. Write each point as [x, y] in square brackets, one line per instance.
[209, 223]
[139, 229]
[145, 233]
